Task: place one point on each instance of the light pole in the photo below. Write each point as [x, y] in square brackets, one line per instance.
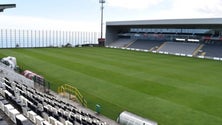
[102, 2]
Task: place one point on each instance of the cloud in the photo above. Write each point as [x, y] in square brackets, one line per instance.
[23, 22]
[165, 9]
[133, 4]
[190, 9]
[211, 7]
[148, 9]
[199, 8]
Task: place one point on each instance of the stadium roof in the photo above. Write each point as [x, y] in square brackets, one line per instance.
[6, 6]
[197, 21]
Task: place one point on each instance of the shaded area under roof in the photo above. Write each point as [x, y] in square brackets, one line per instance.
[6, 6]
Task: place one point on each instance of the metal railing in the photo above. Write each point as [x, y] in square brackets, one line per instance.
[15, 38]
[72, 91]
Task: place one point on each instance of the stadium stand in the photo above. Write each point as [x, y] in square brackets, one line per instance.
[25, 105]
[39, 107]
[179, 47]
[145, 44]
[212, 50]
[121, 42]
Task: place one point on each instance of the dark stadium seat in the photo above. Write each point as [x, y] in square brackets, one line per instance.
[8, 95]
[32, 104]
[6, 81]
[121, 42]
[212, 50]
[145, 44]
[16, 103]
[39, 112]
[179, 47]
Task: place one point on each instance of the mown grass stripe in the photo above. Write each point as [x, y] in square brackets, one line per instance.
[168, 89]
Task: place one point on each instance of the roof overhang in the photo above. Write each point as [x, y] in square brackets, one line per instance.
[168, 22]
[6, 6]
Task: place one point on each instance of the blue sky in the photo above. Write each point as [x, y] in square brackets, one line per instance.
[84, 15]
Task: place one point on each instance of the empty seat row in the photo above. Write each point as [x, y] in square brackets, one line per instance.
[121, 42]
[179, 47]
[145, 44]
[13, 113]
[37, 106]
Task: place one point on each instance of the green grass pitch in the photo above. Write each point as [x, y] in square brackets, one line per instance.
[168, 89]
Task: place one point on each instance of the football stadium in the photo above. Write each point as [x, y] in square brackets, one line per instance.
[145, 72]
[192, 37]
